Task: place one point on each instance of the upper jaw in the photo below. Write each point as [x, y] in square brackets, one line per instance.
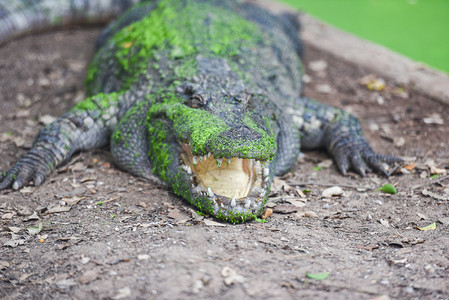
[232, 186]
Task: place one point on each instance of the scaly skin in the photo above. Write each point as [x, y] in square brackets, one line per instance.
[179, 86]
[22, 16]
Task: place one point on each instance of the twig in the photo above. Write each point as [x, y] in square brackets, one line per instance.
[431, 182]
[112, 199]
[442, 178]
[330, 184]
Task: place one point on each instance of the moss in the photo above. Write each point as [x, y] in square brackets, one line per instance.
[99, 102]
[183, 35]
[159, 148]
[191, 125]
[167, 43]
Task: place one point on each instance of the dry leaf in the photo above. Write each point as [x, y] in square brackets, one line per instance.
[439, 171]
[15, 229]
[310, 214]
[323, 88]
[434, 118]
[326, 163]
[79, 166]
[297, 202]
[318, 65]
[280, 185]
[373, 83]
[213, 223]
[399, 142]
[14, 243]
[89, 276]
[8, 216]
[369, 248]
[432, 226]
[143, 204]
[285, 209]
[300, 193]
[26, 190]
[332, 191]
[410, 167]
[384, 223]
[4, 265]
[421, 216]
[266, 213]
[143, 257]
[58, 209]
[23, 113]
[72, 200]
[230, 276]
[46, 119]
[32, 217]
[433, 195]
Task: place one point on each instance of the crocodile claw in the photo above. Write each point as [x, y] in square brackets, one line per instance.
[355, 153]
[33, 166]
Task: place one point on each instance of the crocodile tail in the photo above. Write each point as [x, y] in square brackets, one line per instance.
[18, 17]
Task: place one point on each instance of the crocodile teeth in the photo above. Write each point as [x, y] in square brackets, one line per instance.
[209, 154]
[196, 190]
[219, 162]
[187, 169]
[247, 203]
[210, 193]
[233, 202]
[266, 172]
[195, 160]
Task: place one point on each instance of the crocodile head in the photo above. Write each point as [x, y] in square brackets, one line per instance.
[218, 150]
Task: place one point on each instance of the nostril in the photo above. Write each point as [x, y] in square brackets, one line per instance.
[243, 131]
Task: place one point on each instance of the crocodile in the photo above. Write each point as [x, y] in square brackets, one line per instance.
[203, 95]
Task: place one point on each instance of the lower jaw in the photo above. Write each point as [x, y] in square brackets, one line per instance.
[227, 212]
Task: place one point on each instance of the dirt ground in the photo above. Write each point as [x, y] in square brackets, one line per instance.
[109, 235]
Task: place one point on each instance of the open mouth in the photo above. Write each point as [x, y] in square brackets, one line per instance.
[236, 184]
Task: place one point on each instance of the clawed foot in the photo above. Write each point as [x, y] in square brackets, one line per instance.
[356, 154]
[33, 166]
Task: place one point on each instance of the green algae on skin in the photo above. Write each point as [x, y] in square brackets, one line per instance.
[183, 35]
[159, 149]
[99, 101]
[197, 127]
[193, 125]
[168, 42]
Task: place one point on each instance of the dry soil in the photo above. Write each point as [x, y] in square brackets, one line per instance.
[109, 235]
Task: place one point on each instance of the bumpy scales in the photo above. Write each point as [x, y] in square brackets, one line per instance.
[205, 95]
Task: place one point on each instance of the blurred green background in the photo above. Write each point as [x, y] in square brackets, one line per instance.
[418, 29]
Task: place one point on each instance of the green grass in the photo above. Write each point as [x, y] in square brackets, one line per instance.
[418, 29]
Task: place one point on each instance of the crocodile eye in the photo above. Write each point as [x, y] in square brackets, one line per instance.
[196, 101]
[243, 100]
[247, 98]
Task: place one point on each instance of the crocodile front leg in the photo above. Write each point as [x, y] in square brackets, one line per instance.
[130, 144]
[88, 125]
[341, 134]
